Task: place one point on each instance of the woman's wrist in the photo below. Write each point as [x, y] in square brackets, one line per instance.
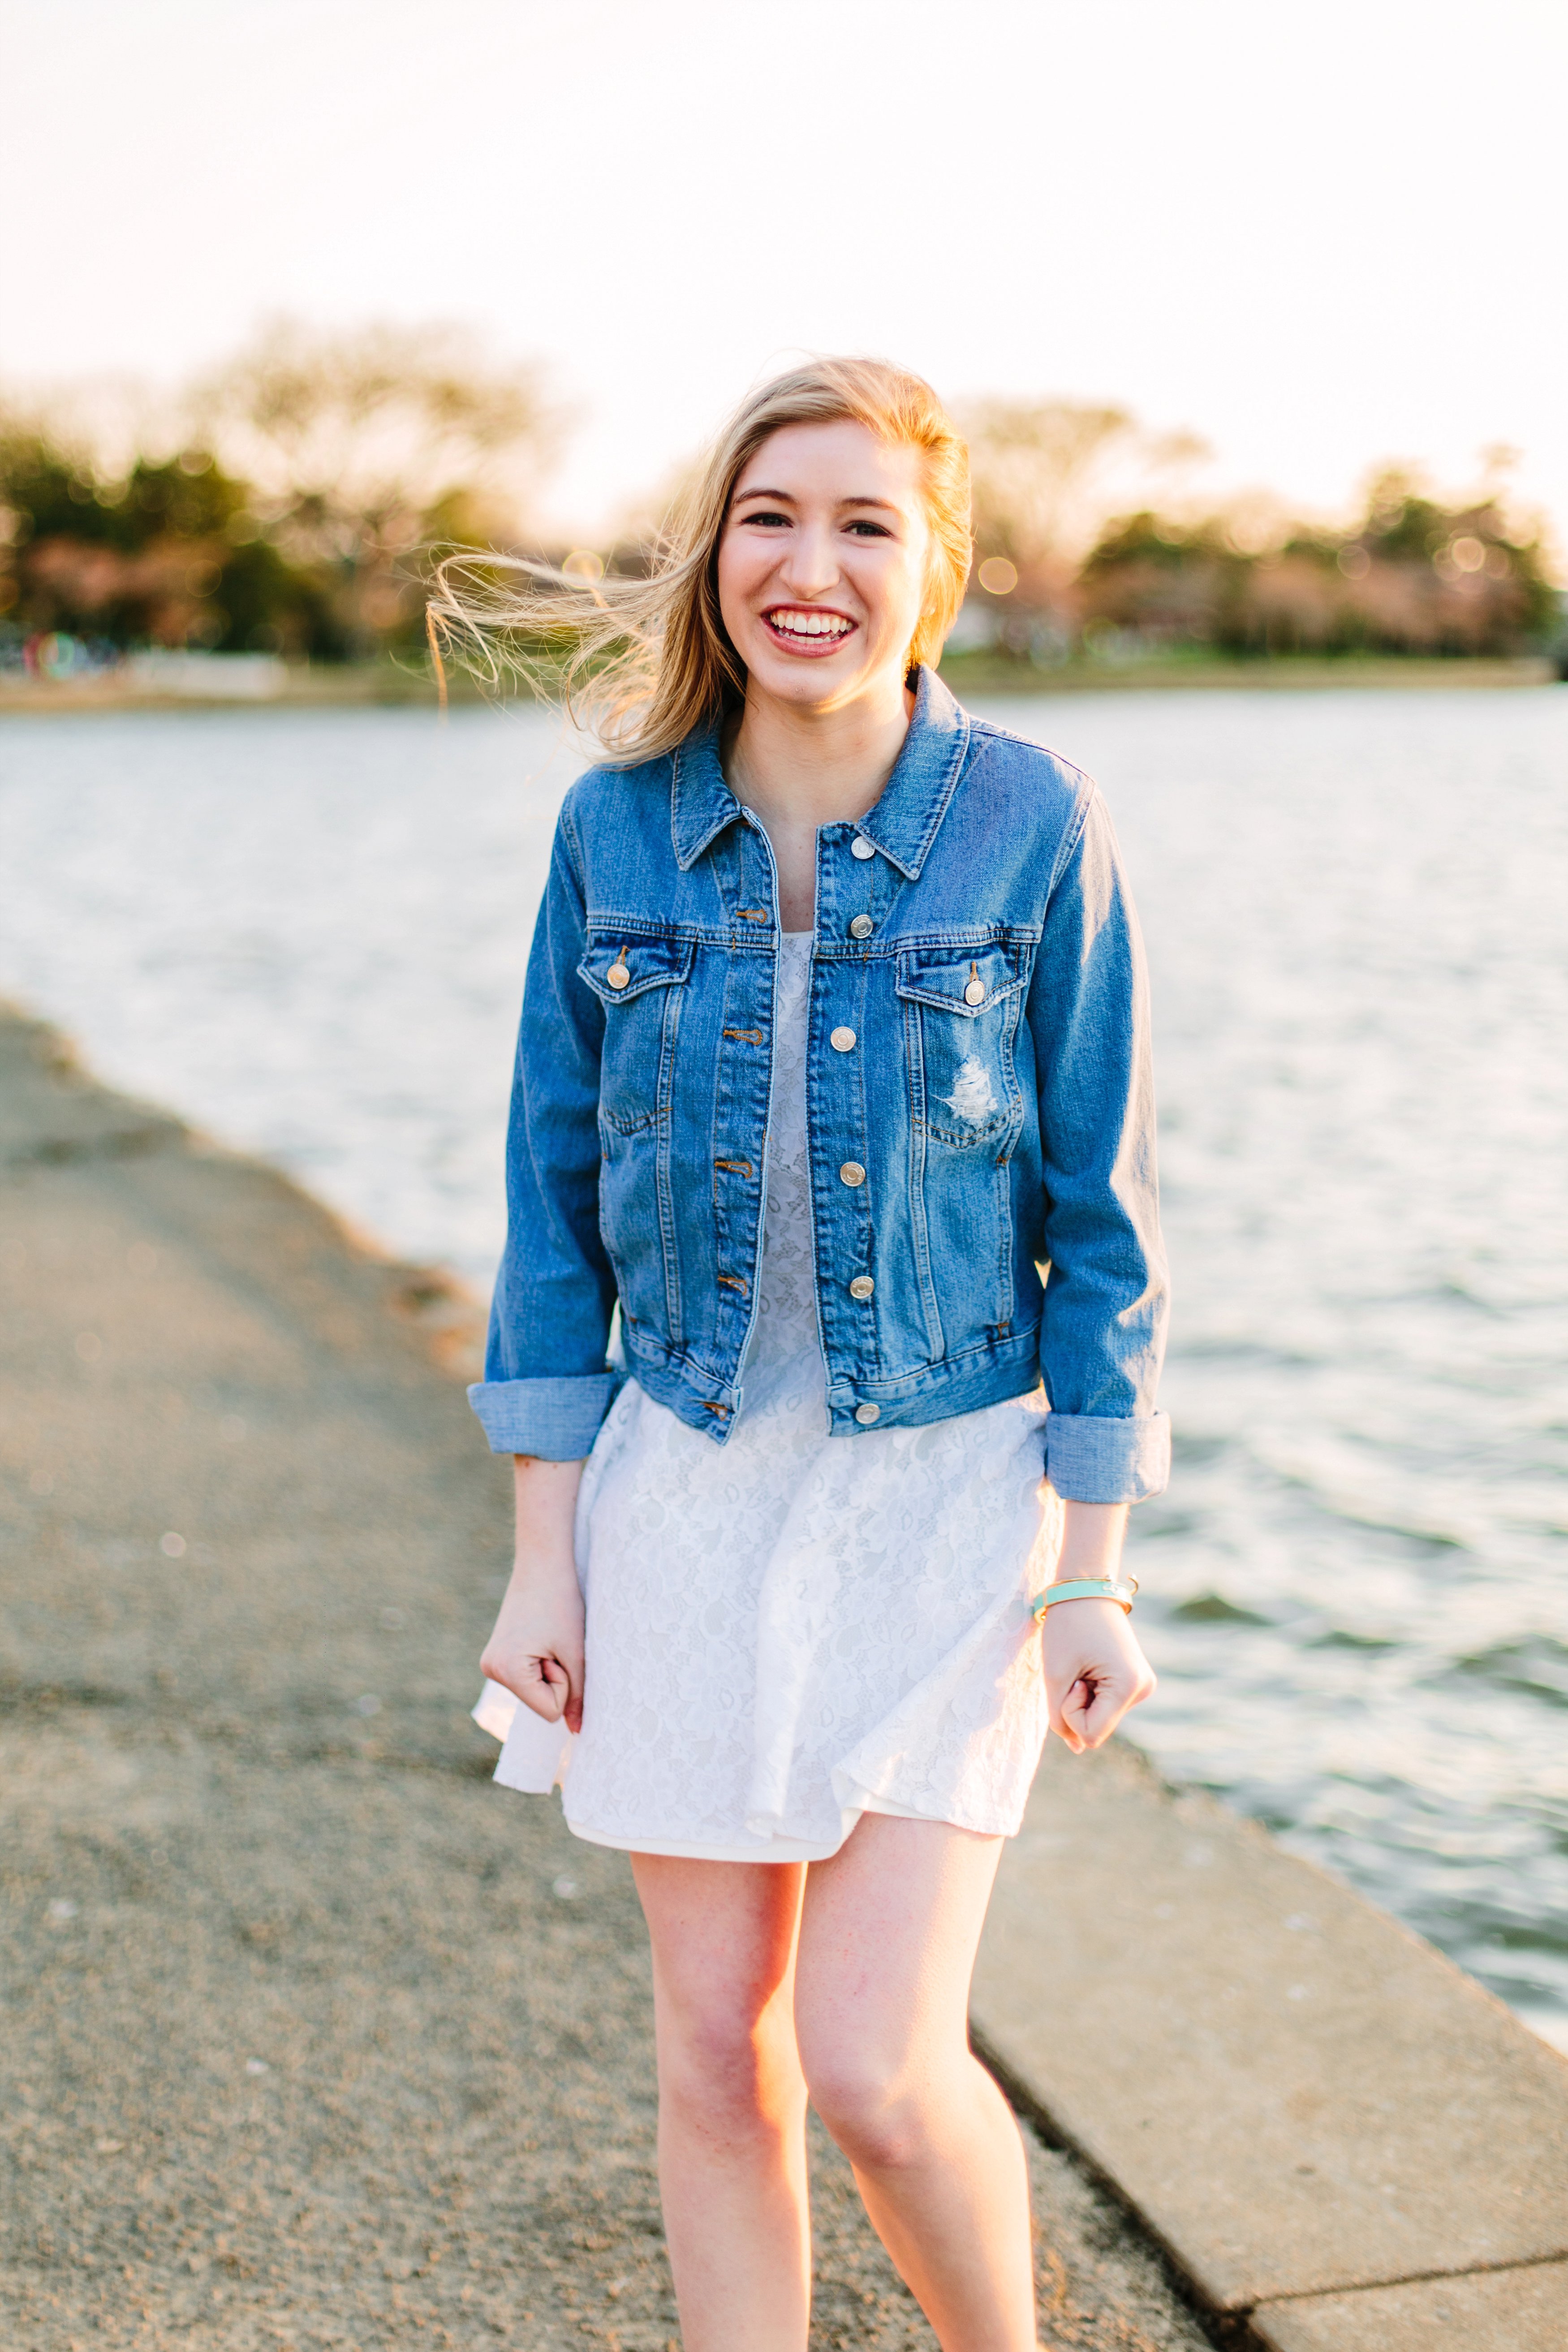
[1092, 1535]
[537, 1572]
[544, 1558]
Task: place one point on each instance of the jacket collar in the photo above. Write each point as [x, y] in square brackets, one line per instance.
[904, 822]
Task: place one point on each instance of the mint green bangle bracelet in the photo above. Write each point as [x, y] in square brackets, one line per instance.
[1097, 1588]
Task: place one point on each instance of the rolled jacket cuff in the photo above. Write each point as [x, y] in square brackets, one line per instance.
[1090, 1458]
[555, 1421]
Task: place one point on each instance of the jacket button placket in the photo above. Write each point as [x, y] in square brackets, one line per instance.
[744, 1067]
[851, 887]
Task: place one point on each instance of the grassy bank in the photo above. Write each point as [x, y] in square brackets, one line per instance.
[323, 685]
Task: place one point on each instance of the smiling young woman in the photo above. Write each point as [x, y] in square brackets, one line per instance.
[826, 1333]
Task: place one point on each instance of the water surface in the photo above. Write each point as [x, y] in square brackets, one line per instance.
[308, 931]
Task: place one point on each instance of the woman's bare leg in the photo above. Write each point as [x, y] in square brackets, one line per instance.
[888, 1934]
[732, 2102]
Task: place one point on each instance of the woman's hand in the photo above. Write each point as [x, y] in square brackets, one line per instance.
[1095, 1668]
[535, 1649]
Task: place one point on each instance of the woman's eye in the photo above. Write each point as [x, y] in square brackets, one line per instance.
[770, 521]
[869, 529]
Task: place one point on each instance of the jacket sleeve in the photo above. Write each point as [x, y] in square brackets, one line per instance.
[547, 1385]
[1103, 1332]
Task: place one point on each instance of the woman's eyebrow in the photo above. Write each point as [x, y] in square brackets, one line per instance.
[787, 498]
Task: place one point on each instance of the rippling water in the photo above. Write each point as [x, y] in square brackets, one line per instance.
[308, 931]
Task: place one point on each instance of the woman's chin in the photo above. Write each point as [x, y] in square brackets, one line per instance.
[808, 681]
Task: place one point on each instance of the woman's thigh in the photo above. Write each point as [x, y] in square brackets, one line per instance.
[889, 1930]
[723, 1936]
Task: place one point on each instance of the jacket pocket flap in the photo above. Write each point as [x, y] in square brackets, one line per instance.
[967, 981]
[618, 970]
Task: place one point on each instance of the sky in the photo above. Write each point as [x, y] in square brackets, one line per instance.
[1318, 237]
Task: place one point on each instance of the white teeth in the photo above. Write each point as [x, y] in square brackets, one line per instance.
[809, 624]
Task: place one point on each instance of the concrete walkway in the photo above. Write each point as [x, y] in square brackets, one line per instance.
[1337, 2133]
[310, 2035]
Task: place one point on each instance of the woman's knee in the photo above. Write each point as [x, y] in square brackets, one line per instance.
[880, 2119]
[723, 1939]
[729, 2060]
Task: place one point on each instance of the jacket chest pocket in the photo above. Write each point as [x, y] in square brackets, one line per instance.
[960, 1011]
[641, 983]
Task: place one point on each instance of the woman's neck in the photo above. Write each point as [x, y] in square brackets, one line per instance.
[799, 768]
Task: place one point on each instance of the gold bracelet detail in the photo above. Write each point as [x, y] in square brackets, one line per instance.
[1090, 1588]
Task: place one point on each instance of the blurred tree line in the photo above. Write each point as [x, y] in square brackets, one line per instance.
[287, 505]
[305, 480]
[1410, 576]
[1086, 541]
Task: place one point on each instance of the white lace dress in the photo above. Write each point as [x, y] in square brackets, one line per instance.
[793, 1629]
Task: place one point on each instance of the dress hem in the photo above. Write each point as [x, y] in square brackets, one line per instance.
[777, 1850]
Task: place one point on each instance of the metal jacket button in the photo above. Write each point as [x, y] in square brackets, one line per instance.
[842, 1040]
[618, 975]
[866, 1413]
[862, 927]
[975, 992]
[861, 847]
[851, 1173]
[862, 1287]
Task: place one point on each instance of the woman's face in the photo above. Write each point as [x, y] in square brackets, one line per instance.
[822, 565]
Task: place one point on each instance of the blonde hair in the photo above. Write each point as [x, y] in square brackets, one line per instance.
[640, 662]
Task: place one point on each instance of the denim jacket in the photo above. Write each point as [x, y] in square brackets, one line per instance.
[980, 1111]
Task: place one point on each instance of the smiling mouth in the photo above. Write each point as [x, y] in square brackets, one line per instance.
[806, 630]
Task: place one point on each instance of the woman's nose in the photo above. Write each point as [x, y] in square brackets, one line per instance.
[811, 566]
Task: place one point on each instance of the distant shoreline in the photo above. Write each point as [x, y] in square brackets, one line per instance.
[386, 684]
[972, 674]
